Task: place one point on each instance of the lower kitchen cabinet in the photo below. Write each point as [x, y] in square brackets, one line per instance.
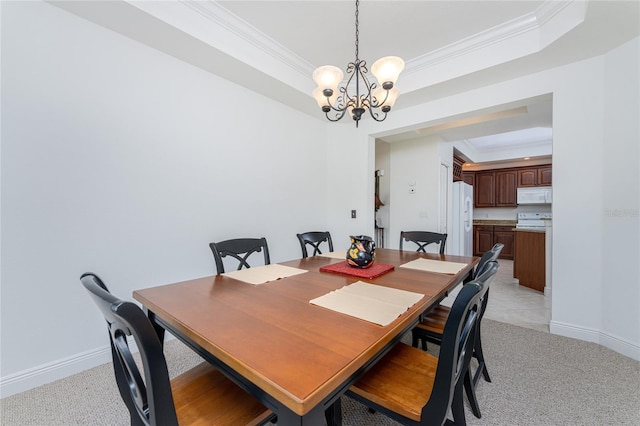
[482, 239]
[485, 236]
[504, 235]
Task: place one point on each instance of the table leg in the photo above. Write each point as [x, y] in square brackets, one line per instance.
[333, 415]
[314, 418]
[158, 328]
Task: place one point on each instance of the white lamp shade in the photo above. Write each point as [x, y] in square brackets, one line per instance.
[328, 77]
[387, 69]
[380, 94]
[322, 99]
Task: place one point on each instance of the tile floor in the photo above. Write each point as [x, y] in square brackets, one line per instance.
[514, 304]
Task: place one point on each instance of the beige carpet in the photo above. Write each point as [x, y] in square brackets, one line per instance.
[538, 379]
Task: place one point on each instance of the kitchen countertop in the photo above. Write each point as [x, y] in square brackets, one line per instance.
[539, 231]
[497, 222]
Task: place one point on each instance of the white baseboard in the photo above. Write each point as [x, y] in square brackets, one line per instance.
[50, 372]
[615, 343]
[620, 345]
[56, 370]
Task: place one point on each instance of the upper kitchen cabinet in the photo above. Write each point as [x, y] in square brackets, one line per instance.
[506, 193]
[495, 188]
[499, 187]
[544, 175]
[469, 177]
[457, 168]
[484, 189]
[534, 176]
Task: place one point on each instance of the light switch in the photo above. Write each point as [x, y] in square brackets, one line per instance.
[353, 214]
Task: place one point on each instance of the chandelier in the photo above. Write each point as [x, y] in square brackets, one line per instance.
[369, 96]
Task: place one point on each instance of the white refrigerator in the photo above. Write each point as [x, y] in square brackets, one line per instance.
[462, 226]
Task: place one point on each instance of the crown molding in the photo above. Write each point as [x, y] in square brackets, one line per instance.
[211, 23]
[503, 43]
[533, 21]
[217, 14]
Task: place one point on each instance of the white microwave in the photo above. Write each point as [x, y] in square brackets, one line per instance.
[535, 195]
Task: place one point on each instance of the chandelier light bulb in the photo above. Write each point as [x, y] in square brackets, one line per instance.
[322, 99]
[328, 77]
[387, 69]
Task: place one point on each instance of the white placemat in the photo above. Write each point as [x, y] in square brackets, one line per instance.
[264, 274]
[439, 266]
[340, 254]
[377, 304]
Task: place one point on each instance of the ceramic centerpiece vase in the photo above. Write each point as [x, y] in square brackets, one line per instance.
[361, 254]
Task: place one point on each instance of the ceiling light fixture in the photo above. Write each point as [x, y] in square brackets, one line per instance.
[374, 98]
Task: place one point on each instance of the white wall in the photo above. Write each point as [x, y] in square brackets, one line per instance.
[621, 199]
[508, 213]
[383, 163]
[121, 160]
[415, 165]
[588, 248]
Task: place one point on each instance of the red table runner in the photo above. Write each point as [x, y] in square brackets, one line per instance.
[373, 271]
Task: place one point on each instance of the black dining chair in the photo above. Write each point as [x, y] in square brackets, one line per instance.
[423, 239]
[414, 387]
[314, 239]
[488, 256]
[240, 249]
[201, 395]
[431, 329]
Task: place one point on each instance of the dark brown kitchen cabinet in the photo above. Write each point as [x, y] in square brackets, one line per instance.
[544, 176]
[506, 188]
[495, 188]
[485, 236]
[482, 239]
[504, 235]
[469, 177]
[484, 190]
[457, 168]
[527, 177]
[534, 176]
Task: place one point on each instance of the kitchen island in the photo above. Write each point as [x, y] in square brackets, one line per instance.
[529, 258]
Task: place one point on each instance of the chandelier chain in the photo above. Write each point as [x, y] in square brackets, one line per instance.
[357, 31]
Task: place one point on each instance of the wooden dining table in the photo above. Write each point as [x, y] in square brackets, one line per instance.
[295, 357]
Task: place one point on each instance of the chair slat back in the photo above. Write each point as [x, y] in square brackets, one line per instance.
[314, 239]
[240, 249]
[146, 394]
[486, 276]
[423, 239]
[455, 350]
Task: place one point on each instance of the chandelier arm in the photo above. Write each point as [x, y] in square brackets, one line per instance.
[337, 107]
[374, 115]
[380, 104]
[338, 116]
